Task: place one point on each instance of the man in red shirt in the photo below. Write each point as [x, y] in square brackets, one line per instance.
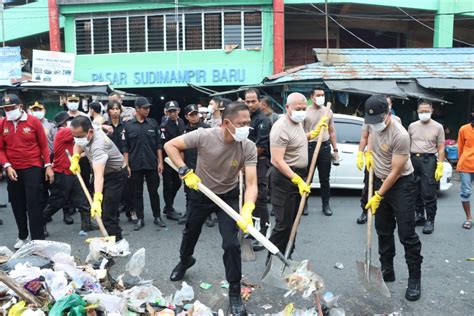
[66, 187]
[23, 154]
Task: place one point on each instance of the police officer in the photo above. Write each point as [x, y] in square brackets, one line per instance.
[72, 104]
[224, 148]
[427, 141]
[259, 134]
[144, 159]
[266, 107]
[171, 128]
[316, 112]
[24, 154]
[109, 170]
[127, 113]
[38, 110]
[394, 200]
[191, 113]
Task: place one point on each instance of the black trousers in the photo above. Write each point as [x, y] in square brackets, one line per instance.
[323, 163]
[26, 197]
[114, 183]
[152, 182]
[200, 207]
[426, 185]
[398, 209]
[86, 172]
[65, 191]
[364, 197]
[261, 209]
[171, 185]
[285, 201]
[127, 196]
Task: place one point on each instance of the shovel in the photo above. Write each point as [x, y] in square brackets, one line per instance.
[236, 217]
[97, 218]
[275, 272]
[370, 276]
[245, 243]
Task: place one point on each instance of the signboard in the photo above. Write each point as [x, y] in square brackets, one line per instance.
[10, 65]
[53, 67]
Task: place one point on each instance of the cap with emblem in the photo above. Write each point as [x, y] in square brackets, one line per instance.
[10, 100]
[73, 98]
[375, 108]
[60, 118]
[171, 105]
[142, 102]
[37, 105]
[190, 108]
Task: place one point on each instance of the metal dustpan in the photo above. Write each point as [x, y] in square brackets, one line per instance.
[370, 276]
[246, 249]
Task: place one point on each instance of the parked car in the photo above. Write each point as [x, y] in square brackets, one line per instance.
[346, 175]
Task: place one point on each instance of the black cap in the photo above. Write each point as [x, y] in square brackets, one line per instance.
[375, 108]
[10, 100]
[172, 105]
[60, 118]
[191, 108]
[142, 102]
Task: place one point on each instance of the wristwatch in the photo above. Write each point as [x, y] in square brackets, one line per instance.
[183, 170]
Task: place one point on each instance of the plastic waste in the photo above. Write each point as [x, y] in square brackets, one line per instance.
[62, 258]
[30, 312]
[45, 248]
[32, 260]
[337, 312]
[137, 263]
[138, 295]
[4, 251]
[107, 302]
[200, 309]
[304, 280]
[98, 246]
[17, 309]
[66, 303]
[339, 266]
[185, 294]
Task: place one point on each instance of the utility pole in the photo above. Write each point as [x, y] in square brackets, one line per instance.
[3, 23]
[327, 28]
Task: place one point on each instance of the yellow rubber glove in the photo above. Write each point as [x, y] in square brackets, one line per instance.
[74, 167]
[439, 170]
[369, 160]
[302, 186]
[96, 207]
[246, 213]
[323, 123]
[360, 160]
[191, 180]
[374, 202]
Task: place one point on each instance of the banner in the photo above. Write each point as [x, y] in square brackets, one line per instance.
[53, 67]
[10, 65]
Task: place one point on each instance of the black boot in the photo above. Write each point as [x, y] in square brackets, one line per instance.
[419, 219]
[327, 210]
[67, 219]
[86, 223]
[413, 292]
[428, 228]
[362, 218]
[173, 215]
[158, 221]
[139, 225]
[236, 306]
[305, 210]
[180, 269]
[210, 221]
[388, 273]
[182, 220]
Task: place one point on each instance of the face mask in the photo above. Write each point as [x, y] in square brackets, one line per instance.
[241, 133]
[38, 114]
[298, 116]
[424, 116]
[68, 123]
[378, 127]
[13, 115]
[320, 101]
[73, 106]
[210, 109]
[81, 141]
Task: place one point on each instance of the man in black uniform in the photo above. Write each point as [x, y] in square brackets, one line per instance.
[144, 159]
[260, 135]
[191, 113]
[171, 128]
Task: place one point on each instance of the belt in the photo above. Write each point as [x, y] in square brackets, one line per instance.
[422, 155]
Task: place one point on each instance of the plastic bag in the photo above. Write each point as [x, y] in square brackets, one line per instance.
[185, 294]
[30, 312]
[304, 280]
[66, 303]
[17, 309]
[4, 251]
[337, 312]
[62, 258]
[35, 261]
[107, 302]
[200, 309]
[138, 295]
[43, 248]
[137, 263]
[110, 248]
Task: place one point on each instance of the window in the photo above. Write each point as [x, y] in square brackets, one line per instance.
[172, 33]
[155, 33]
[83, 37]
[118, 31]
[232, 29]
[101, 36]
[193, 25]
[252, 29]
[212, 31]
[136, 33]
[348, 132]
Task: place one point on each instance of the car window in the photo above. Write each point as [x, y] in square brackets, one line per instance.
[348, 132]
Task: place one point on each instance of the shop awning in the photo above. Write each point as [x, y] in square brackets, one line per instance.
[414, 90]
[90, 88]
[388, 87]
[446, 83]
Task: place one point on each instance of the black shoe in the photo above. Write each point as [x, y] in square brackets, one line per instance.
[210, 221]
[88, 227]
[388, 274]
[67, 219]
[173, 215]
[362, 218]
[428, 228]
[236, 306]
[257, 246]
[413, 292]
[49, 219]
[140, 223]
[158, 221]
[180, 269]
[1, 222]
[182, 220]
[327, 210]
[305, 210]
[3, 205]
[419, 220]
[45, 231]
[272, 213]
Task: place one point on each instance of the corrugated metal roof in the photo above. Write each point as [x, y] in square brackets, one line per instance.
[457, 63]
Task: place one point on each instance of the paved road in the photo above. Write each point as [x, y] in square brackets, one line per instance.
[324, 241]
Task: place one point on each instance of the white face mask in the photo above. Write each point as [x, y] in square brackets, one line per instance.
[241, 133]
[38, 114]
[320, 100]
[424, 117]
[13, 115]
[210, 109]
[81, 141]
[379, 127]
[73, 106]
[298, 116]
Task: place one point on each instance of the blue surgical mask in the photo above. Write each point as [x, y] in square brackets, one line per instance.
[378, 127]
[73, 106]
[298, 116]
[81, 141]
[38, 114]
